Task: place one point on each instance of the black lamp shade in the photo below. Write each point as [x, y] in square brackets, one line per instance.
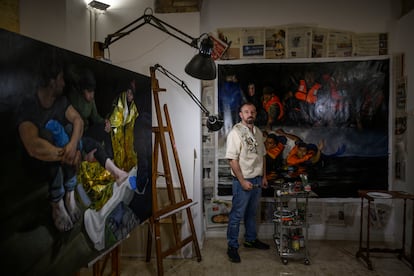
[202, 66]
[214, 123]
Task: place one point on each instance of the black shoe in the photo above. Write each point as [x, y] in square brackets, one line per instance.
[256, 244]
[233, 255]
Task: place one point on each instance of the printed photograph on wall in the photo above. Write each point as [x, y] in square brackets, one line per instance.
[75, 158]
[275, 43]
[330, 120]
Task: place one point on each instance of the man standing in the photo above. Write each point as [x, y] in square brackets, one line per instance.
[246, 154]
[46, 160]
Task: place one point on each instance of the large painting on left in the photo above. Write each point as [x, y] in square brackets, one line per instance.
[75, 163]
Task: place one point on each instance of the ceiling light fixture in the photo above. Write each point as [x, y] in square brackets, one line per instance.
[98, 5]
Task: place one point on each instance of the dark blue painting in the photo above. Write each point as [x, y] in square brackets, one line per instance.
[53, 220]
[341, 107]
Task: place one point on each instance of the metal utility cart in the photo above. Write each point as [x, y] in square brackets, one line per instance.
[290, 222]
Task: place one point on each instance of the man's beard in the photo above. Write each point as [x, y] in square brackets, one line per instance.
[250, 120]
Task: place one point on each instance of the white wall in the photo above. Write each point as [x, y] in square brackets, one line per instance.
[354, 15]
[56, 22]
[403, 42]
[65, 23]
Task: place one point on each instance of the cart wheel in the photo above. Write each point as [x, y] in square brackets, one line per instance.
[307, 262]
[284, 261]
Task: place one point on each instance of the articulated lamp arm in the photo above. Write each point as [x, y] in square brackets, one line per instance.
[149, 18]
[201, 66]
[214, 122]
[183, 85]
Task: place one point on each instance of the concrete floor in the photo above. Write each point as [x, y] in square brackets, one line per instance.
[326, 258]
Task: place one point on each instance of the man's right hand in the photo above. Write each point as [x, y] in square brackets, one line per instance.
[60, 153]
[70, 154]
[75, 161]
[246, 185]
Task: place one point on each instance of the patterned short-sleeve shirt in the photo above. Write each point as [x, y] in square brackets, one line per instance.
[248, 148]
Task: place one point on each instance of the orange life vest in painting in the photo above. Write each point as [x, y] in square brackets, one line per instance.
[272, 101]
[293, 160]
[303, 95]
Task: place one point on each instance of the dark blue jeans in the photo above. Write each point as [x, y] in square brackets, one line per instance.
[60, 185]
[244, 207]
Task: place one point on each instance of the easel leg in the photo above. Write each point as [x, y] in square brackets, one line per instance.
[149, 241]
[98, 269]
[115, 261]
[157, 231]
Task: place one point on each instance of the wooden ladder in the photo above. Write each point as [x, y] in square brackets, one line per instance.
[184, 203]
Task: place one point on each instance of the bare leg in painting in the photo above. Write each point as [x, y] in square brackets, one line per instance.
[119, 174]
[71, 206]
[60, 216]
[100, 155]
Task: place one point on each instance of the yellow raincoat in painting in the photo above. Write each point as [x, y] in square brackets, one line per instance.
[122, 121]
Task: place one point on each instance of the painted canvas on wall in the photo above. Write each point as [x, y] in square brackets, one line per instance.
[338, 108]
[75, 156]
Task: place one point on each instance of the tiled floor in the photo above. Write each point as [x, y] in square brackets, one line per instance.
[326, 258]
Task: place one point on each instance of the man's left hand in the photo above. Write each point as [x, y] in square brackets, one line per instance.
[264, 183]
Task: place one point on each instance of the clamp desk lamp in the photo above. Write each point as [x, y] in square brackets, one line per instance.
[201, 66]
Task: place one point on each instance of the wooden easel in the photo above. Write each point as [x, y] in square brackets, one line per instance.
[170, 211]
[99, 264]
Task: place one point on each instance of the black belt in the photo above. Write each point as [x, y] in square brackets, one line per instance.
[254, 186]
[235, 178]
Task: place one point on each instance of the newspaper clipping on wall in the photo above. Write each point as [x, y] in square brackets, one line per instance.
[275, 43]
[232, 37]
[340, 44]
[370, 44]
[319, 42]
[299, 41]
[252, 43]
